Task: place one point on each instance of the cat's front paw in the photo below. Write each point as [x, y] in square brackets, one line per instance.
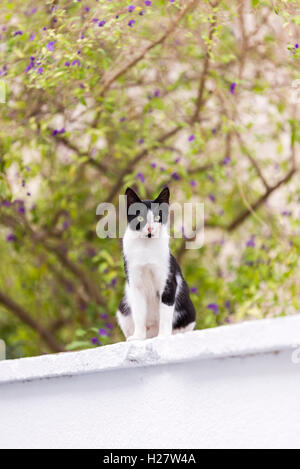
[134, 338]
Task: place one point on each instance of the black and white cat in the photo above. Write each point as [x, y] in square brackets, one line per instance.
[156, 300]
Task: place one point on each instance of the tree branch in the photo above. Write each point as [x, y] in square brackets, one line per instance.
[90, 287]
[252, 160]
[269, 191]
[200, 97]
[107, 82]
[97, 164]
[256, 205]
[130, 166]
[25, 317]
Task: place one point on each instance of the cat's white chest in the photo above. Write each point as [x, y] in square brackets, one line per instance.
[147, 262]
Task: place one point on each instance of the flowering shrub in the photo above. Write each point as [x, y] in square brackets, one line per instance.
[202, 96]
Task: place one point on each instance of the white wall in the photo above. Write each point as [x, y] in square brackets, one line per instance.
[139, 397]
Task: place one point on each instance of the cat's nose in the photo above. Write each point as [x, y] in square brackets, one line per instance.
[149, 229]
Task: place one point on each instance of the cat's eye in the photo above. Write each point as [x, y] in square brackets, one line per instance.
[140, 219]
[157, 218]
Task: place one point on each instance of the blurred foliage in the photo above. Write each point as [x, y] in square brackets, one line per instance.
[202, 96]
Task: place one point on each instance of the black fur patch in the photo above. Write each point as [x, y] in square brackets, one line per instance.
[179, 294]
[124, 307]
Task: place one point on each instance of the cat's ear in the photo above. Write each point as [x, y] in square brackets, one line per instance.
[132, 197]
[164, 196]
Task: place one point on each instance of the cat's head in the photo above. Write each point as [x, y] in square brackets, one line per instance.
[147, 218]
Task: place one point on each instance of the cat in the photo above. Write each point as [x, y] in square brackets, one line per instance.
[156, 300]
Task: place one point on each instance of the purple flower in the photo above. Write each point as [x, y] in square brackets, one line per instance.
[147, 3]
[11, 238]
[233, 88]
[58, 132]
[101, 23]
[32, 37]
[50, 46]
[141, 141]
[157, 93]
[131, 8]
[102, 332]
[131, 23]
[286, 213]
[153, 165]
[76, 62]
[193, 183]
[6, 203]
[141, 177]
[183, 232]
[109, 325]
[123, 119]
[212, 198]
[104, 316]
[141, 13]
[113, 283]
[87, 9]
[192, 138]
[176, 176]
[29, 67]
[251, 243]
[214, 308]
[18, 33]
[95, 341]
[227, 160]
[194, 290]
[67, 64]
[66, 225]
[40, 70]
[297, 46]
